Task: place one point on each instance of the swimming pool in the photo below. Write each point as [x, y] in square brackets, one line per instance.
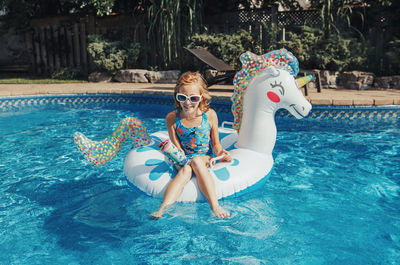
[332, 198]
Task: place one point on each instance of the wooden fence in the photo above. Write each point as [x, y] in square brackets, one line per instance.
[58, 42]
[63, 43]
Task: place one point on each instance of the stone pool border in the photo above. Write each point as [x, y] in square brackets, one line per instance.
[337, 97]
[332, 112]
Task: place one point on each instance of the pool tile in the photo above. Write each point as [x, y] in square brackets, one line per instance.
[335, 112]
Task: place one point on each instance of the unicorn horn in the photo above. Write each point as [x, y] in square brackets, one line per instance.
[302, 81]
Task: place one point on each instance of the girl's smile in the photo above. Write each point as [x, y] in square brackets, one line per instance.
[189, 107]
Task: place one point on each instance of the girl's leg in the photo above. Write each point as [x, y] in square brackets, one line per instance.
[174, 190]
[207, 185]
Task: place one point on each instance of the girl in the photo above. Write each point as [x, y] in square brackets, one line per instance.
[190, 128]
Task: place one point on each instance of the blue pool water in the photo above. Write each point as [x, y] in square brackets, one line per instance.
[332, 198]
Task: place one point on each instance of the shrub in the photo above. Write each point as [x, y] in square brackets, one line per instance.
[67, 73]
[112, 55]
[337, 53]
[226, 47]
[392, 58]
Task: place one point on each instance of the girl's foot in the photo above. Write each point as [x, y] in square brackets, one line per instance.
[159, 213]
[220, 212]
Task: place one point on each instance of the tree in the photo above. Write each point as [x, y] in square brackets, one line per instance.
[172, 23]
[18, 12]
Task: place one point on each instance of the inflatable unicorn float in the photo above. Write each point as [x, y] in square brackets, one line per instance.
[265, 84]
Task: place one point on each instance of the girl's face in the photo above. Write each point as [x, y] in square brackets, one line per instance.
[188, 106]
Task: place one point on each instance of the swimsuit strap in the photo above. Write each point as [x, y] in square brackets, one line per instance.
[178, 121]
[204, 121]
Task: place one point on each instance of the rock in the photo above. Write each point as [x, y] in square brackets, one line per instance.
[387, 82]
[357, 80]
[210, 73]
[396, 81]
[99, 77]
[383, 82]
[132, 76]
[329, 79]
[163, 76]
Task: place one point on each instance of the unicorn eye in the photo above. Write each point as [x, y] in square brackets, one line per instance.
[279, 86]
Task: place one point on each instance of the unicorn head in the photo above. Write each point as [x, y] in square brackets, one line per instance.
[265, 84]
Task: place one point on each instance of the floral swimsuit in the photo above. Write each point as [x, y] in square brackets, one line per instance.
[195, 141]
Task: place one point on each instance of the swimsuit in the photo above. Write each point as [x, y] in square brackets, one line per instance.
[195, 141]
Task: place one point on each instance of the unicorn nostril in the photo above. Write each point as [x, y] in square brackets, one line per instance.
[303, 108]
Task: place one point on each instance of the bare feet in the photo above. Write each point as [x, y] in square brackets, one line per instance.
[159, 213]
[221, 212]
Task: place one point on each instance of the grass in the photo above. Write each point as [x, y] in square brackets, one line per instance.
[11, 78]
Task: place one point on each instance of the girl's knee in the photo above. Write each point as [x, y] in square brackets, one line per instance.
[197, 162]
[187, 170]
[185, 173]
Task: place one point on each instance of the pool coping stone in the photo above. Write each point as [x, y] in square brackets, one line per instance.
[339, 97]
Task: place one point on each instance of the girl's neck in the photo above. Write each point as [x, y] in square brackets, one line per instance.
[190, 116]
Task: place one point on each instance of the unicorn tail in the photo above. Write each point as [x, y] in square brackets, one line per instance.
[98, 153]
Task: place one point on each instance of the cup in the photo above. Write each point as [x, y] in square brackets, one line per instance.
[173, 153]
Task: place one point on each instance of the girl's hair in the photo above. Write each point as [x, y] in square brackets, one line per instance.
[193, 78]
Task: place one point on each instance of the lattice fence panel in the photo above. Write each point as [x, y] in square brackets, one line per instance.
[252, 16]
[309, 17]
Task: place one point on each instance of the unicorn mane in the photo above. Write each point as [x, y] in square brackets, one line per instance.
[253, 64]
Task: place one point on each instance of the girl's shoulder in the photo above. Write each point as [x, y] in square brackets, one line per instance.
[211, 114]
[170, 118]
[171, 114]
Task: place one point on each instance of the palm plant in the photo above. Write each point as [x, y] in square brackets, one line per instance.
[337, 14]
[172, 23]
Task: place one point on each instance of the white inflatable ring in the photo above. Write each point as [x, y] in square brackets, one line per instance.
[149, 171]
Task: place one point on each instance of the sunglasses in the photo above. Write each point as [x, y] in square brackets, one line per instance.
[182, 98]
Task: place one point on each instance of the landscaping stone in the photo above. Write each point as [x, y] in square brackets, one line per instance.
[329, 79]
[387, 82]
[99, 77]
[167, 77]
[357, 80]
[132, 76]
[210, 73]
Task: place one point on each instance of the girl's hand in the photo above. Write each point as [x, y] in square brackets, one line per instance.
[227, 157]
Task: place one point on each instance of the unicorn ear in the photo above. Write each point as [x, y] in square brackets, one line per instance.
[272, 71]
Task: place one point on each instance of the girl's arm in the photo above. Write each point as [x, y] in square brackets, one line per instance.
[171, 126]
[216, 144]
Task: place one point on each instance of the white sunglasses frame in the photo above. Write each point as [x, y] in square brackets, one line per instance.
[188, 97]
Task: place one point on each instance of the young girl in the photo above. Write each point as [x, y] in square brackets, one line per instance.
[190, 128]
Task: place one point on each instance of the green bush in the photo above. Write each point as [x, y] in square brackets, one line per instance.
[392, 58]
[226, 47]
[67, 73]
[337, 53]
[112, 55]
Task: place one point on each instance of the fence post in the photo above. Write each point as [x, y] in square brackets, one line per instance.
[29, 45]
[36, 43]
[91, 29]
[43, 49]
[70, 47]
[83, 47]
[50, 48]
[77, 54]
[63, 46]
[56, 47]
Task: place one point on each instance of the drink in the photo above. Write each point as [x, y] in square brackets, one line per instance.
[173, 153]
